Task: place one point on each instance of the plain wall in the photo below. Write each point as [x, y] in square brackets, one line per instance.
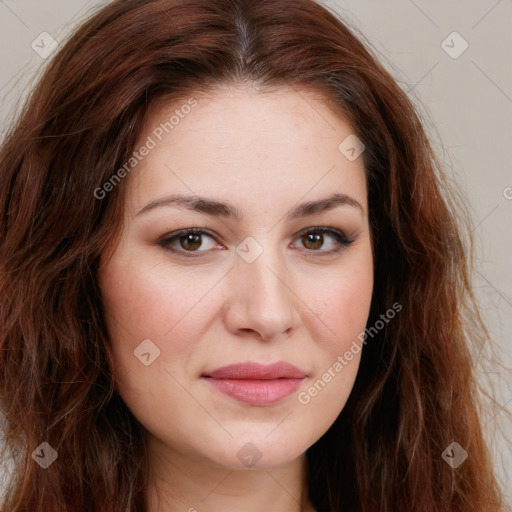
[466, 103]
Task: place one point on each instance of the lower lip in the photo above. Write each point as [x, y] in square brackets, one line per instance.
[256, 392]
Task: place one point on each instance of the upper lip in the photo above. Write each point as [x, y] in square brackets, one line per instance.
[251, 370]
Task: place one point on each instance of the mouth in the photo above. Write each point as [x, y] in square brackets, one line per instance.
[255, 383]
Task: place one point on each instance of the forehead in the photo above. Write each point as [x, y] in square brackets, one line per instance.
[238, 142]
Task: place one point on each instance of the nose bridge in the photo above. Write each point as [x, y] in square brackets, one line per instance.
[262, 293]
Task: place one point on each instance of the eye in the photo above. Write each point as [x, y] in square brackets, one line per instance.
[191, 242]
[188, 241]
[314, 239]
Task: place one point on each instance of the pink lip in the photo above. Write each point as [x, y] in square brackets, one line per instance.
[256, 383]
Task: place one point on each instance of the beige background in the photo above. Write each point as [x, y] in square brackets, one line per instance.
[466, 103]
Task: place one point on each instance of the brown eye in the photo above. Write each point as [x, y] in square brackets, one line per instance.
[190, 242]
[313, 241]
[323, 240]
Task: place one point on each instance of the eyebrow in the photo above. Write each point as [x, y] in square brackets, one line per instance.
[220, 209]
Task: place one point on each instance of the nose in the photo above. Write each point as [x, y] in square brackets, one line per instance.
[261, 298]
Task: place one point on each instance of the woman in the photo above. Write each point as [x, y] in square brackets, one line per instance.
[232, 278]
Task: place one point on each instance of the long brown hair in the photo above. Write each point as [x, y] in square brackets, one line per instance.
[415, 392]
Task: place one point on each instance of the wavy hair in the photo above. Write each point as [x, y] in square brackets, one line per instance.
[416, 390]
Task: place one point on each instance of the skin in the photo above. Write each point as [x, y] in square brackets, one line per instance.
[298, 301]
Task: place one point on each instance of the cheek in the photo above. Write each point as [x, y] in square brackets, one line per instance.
[343, 303]
[342, 308]
[144, 299]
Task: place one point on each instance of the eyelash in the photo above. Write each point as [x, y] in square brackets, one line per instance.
[338, 235]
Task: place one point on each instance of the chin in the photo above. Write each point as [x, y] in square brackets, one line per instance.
[258, 453]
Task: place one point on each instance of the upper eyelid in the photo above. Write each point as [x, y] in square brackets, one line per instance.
[176, 235]
[201, 231]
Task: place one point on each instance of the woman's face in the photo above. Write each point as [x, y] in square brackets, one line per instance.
[260, 176]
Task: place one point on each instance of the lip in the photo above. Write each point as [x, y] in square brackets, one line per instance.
[251, 370]
[255, 383]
